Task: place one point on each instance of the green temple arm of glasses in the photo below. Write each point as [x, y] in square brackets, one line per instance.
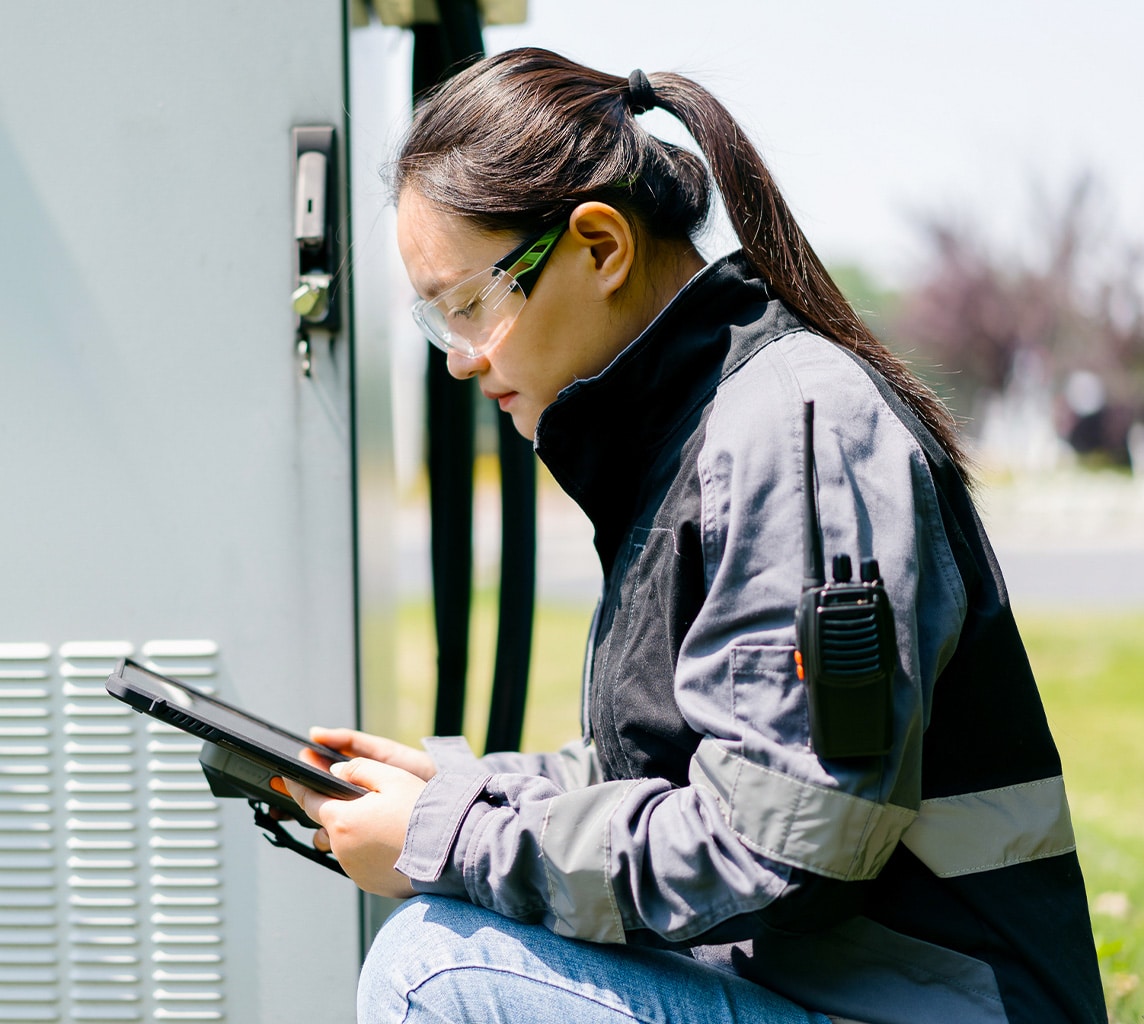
[530, 258]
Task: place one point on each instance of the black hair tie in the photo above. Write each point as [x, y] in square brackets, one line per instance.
[641, 96]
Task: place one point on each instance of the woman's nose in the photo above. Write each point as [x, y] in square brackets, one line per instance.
[462, 366]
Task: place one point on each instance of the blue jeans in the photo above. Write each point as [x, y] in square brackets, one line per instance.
[442, 960]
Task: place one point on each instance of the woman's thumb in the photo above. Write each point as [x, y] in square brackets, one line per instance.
[364, 772]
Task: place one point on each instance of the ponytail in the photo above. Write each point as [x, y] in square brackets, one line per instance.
[519, 139]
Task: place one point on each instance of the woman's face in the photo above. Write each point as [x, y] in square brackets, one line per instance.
[565, 331]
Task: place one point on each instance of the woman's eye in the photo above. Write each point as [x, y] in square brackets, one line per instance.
[463, 312]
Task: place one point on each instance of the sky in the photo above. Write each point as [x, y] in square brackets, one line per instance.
[871, 114]
[874, 113]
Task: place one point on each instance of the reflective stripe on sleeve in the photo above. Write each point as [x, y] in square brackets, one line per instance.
[575, 848]
[993, 828]
[809, 826]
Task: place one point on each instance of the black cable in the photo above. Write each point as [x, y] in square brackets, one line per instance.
[517, 589]
[451, 441]
[451, 449]
[439, 51]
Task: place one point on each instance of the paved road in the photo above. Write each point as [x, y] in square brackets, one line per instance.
[1059, 539]
[1069, 538]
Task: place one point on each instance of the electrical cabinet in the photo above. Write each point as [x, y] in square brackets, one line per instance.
[176, 484]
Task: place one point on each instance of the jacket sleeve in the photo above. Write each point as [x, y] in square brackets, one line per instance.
[764, 827]
[572, 766]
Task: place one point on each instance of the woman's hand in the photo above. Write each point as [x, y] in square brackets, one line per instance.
[377, 748]
[367, 833]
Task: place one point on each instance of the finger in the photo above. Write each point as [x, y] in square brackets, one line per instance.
[377, 748]
[322, 840]
[367, 773]
[311, 802]
[313, 757]
[353, 742]
[339, 739]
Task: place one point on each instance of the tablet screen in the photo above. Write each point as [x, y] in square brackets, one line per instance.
[211, 718]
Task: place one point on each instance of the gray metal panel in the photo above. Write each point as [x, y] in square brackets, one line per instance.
[170, 486]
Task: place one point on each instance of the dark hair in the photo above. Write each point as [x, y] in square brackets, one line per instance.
[517, 140]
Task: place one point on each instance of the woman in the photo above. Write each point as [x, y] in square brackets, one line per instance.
[725, 859]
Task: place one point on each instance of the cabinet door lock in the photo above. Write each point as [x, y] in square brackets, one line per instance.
[314, 299]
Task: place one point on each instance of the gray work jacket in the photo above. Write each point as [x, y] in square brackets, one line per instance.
[938, 882]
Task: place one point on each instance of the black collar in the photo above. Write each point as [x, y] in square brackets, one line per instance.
[600, 434]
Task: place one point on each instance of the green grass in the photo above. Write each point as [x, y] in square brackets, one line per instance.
[1091, 672]
[552, 715]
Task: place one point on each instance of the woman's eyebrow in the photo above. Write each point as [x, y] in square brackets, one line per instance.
[436, 286]
[432, 288]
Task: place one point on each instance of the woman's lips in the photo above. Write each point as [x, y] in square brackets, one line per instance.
[502, 398]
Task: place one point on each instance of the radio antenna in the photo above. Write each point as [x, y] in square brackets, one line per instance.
[814, 570]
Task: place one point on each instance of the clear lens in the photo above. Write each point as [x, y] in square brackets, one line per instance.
[470, 316]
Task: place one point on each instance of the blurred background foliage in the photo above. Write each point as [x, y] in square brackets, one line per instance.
[1037, 347]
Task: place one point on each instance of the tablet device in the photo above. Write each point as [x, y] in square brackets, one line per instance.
[271, 749]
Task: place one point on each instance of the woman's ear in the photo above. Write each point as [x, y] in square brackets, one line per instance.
[606, 238]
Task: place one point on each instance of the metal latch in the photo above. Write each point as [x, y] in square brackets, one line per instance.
[314, 298]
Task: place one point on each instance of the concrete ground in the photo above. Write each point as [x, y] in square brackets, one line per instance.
[1069, 537]
[1060, 538]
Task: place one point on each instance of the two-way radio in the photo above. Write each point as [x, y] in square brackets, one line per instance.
[846, 648]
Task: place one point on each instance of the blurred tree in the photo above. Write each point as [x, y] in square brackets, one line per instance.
[880, 307]
[1070, 307]
[876, 304]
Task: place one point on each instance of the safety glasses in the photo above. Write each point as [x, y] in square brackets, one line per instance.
[471, 316]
